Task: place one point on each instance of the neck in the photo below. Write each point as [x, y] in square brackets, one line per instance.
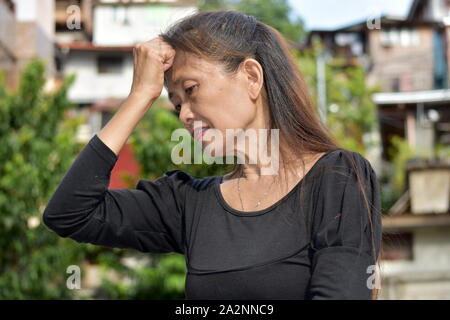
[257, 168]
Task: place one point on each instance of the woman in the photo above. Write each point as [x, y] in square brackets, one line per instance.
[312, 230]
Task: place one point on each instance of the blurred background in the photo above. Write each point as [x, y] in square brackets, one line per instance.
[377, 71]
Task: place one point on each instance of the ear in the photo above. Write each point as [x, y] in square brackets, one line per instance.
[254, 75]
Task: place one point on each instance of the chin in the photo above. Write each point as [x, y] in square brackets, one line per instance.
[209, 149]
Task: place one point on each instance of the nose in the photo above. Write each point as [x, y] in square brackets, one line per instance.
[186, 116]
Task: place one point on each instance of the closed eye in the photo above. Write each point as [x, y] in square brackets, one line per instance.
[189, 90]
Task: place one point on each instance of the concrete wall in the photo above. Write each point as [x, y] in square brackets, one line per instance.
[144, 22]
[427, 276]
[7, 43]
[90, 86]
[35, 32]
[413, 64]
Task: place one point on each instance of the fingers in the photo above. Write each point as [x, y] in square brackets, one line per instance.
[159, 47]
[151, 59]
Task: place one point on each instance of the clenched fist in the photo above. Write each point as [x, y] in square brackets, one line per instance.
[151, 59]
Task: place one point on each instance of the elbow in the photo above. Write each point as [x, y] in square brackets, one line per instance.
[65, 224]
[49, 222]
[54, 222]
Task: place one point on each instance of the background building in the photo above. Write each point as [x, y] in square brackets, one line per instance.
[26, 31]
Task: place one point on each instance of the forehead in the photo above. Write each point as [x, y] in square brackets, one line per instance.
[188, 65]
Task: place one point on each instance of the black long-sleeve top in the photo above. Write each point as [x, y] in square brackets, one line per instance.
[325, 252]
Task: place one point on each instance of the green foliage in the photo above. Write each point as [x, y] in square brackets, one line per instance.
[206, 5]
[163, 281]
[276, 13]
[37, 148]
[442, 151]
[351, 113]
[400, 153]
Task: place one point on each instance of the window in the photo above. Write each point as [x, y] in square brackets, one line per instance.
[397, 246]
[120, 15]
[395, 84]
[351, 40]
[404, 37]
[109, 64]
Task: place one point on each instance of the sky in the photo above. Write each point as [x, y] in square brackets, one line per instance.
[330, 14]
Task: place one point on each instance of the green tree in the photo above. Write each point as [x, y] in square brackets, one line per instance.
[276, 13]
[37, 136]
[37, 147]
[205, 5]
[351, 113]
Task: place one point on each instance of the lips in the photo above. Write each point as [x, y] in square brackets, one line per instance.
[197, 133]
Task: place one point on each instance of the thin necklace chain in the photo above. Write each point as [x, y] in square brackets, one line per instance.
[259, 202]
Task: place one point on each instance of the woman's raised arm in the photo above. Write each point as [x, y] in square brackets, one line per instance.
[151, 60]
[147, 219]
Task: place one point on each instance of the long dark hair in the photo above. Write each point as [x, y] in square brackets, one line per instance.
[229, 37]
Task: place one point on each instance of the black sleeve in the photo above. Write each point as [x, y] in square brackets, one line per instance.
[148, 218]
[341, 235]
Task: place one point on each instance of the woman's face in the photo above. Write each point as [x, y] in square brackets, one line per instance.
[202, 93]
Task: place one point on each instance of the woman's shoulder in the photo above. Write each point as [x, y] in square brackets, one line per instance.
[344, 161]
[345, 157]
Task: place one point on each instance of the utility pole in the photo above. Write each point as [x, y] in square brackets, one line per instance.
[322, 58]
[321, 85]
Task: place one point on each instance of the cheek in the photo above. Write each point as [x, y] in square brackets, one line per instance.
[225, 107]
[239, 106]
[237, 113]
[229, 117]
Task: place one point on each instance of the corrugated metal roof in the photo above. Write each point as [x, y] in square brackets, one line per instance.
[442, 95]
